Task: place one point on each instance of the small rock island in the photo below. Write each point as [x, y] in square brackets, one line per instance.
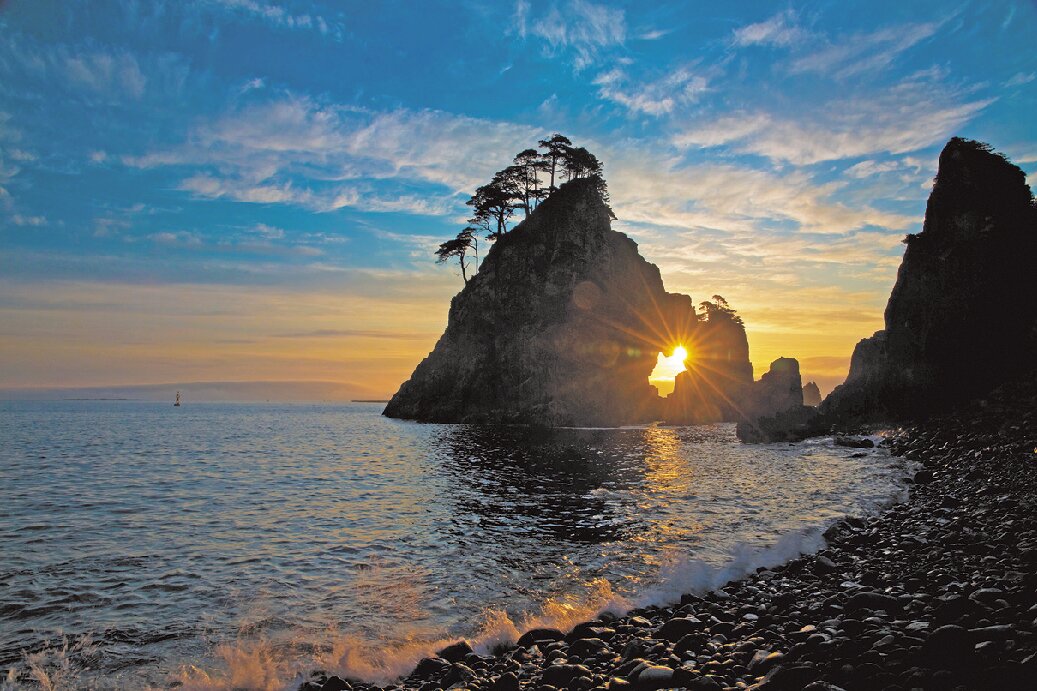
[561, 326]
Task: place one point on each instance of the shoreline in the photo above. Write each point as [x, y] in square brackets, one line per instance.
[938, 591]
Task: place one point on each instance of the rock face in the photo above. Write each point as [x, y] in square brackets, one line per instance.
[811, 395]
[961, 318]
[561, 326]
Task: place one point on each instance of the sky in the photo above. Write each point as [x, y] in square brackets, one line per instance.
[244, 190]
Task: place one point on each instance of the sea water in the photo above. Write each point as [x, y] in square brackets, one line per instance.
[236, 545]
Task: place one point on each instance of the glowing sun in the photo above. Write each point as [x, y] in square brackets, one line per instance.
[666, 369]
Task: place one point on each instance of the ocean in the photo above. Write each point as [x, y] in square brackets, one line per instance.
[238, 545]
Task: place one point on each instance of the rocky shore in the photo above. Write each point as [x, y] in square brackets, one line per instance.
[939, 592]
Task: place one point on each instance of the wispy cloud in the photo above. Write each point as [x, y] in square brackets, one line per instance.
[582, 27]
[1020, 78]
[178, 239]
[294, 150]
[33, 221]
[911, 115]
[848, 56]
[651, 98]
[95, 72]
[866, 169]
[356, 333]
[268, 243]
[659, 190]
[275, 15]
[103, 72]
[779, 30]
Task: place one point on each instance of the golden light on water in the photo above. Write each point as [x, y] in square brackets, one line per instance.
[667, 369]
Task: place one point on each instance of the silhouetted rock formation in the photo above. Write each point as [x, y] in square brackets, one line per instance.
[561, 326]
[718, 377]
[773, 408]
[811, 395]
[961, 318]
[779, 389]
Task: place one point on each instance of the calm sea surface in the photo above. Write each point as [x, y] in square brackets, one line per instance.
[234, 544]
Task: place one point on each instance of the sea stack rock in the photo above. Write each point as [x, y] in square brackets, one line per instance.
[718, 377]
[962, 317]
[773, 409]
[811, 395]
[561, 326]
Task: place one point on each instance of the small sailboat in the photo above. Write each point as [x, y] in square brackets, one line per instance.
[177, 404]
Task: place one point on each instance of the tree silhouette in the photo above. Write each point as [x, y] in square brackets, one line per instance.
[531, 164]
[459, 247]
[495, 200]
[556, 148]
[719, 309]
[580, 163]
[519, 186]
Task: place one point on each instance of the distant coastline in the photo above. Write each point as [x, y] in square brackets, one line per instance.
[201, 391]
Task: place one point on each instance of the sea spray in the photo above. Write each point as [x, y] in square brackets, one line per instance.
[383, 662]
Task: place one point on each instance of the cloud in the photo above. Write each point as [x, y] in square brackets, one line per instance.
[654, 189]
[266, 245]
[7, 173]
[356, 333]
[582, 27]
[853, 55]
[35, 221]
[651, 98]
[95, 72]
[104, 73]
[1021, 78]
[779, 30]
[294, 150]
[267, 232]
[178, 239]
[275, 15]
[911, 115]
[252, 85]
[866, 169]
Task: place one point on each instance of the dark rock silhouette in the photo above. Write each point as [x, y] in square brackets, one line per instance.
[561, 326]
[718, 377]
[779, 389]
[962, 317]
[811, 394]
[773, 407]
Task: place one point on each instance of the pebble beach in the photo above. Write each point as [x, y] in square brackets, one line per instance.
[937, 592]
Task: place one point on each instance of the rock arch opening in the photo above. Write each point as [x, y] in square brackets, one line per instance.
[667, 367]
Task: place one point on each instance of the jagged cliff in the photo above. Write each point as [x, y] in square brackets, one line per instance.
[561, 325]
[962, 317]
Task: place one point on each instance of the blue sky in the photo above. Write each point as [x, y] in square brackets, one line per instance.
[247, 190]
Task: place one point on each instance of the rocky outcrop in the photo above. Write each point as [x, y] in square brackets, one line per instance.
[773, 408]
[718, 377]
[779, 389]
[962, 317]
[811, 395]
[561, 325]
